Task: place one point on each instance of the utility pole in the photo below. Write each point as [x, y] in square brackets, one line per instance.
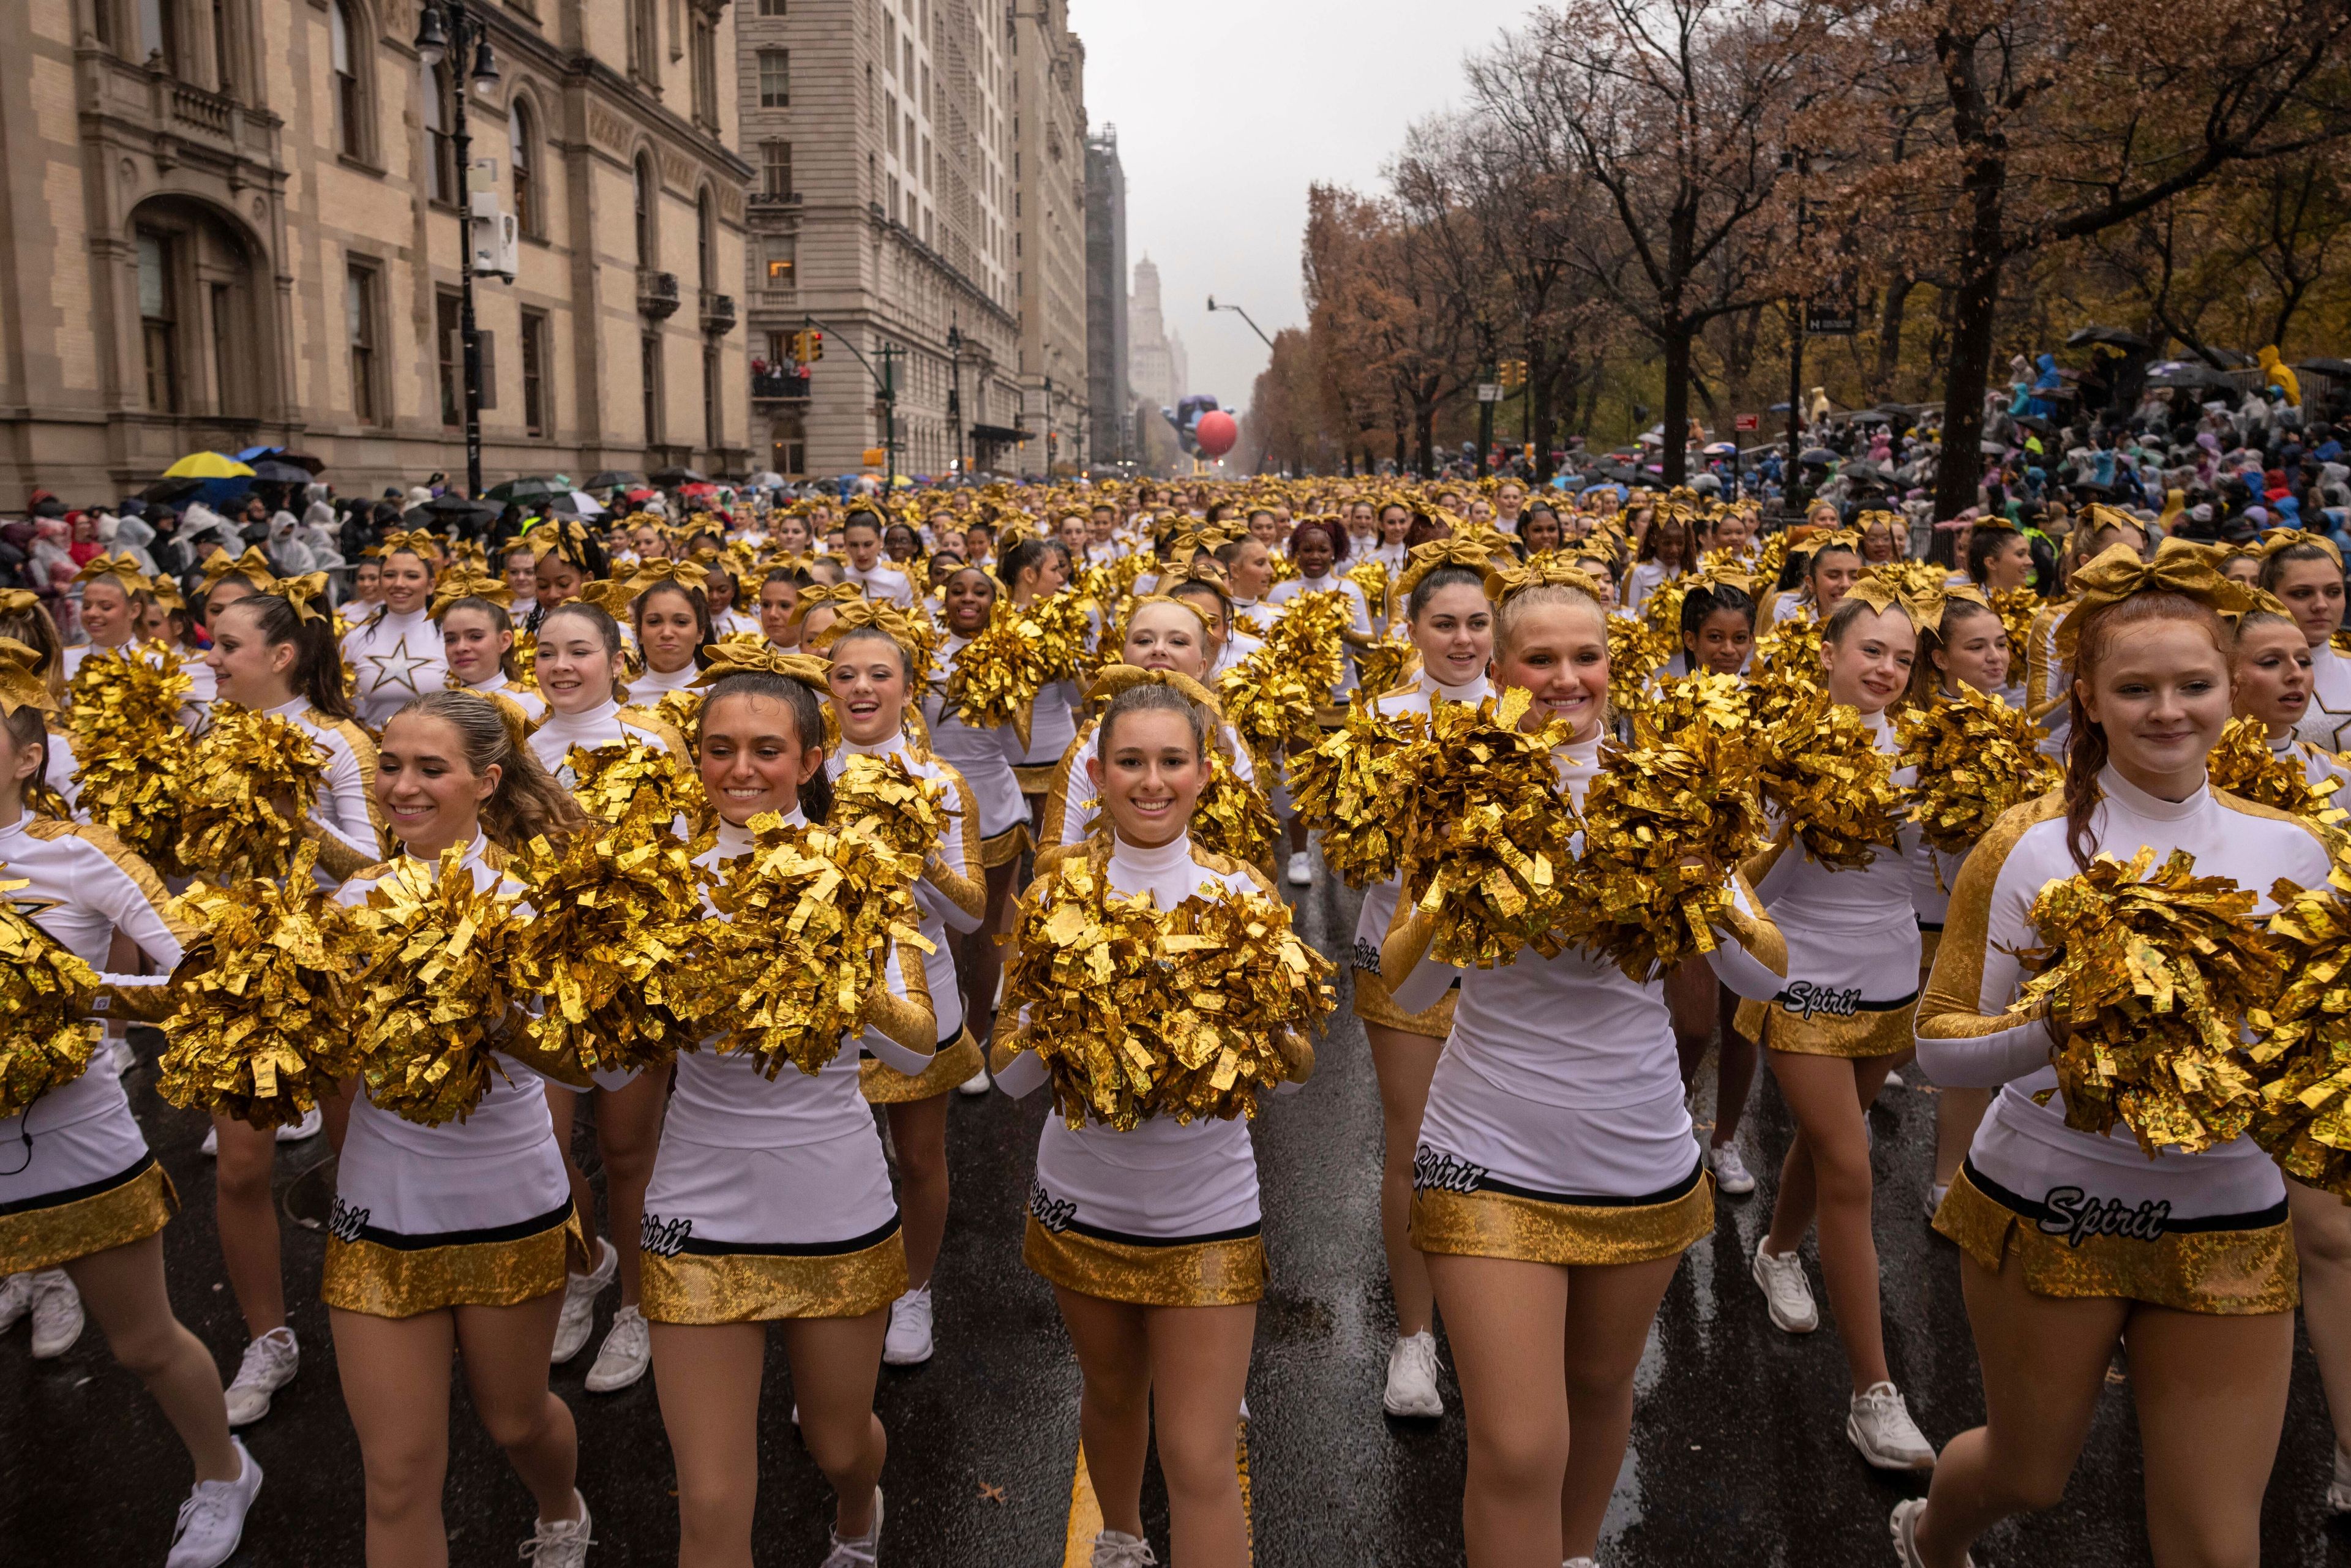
[889, 354]
[438, 40]
[1489, 392]
[1798, 161]
[954, 395]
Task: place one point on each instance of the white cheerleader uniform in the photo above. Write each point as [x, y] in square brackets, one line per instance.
[1374, 1001]
[2094, 1216]
[395, 658]
[344, 819]
[653, 686]
[75, 1175]
[2327, 721]
[883, 584]
[500, 689]
[606, 724]
[986, 758]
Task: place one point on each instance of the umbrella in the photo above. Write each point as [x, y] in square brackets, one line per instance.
[2333, 370]
[2185, 373]
[1816, 455]
[524, 490]
[586, 505]
[615, 479]
[641, 495]
[207, 466]
[455, 508]
[163, 491]
[271, 471]
[675, 475]
[701, 488]
[767, 479]
[2114, 335]
[1722, 449]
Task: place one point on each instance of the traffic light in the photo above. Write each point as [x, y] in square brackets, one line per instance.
[1514, 374]
[815, 347]
[808, 347]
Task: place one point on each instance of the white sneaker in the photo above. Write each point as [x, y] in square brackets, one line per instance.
[1580, 1563]
[15, 1301]
[861, 1552]
[1730, 1172]
[210, 1148]
[1412, 1378]
[1894, 1080]
[908, 1342]
[2338, 1490]
[579, 1293]
[1905, 1526]
[974, 1085]
[628, 1350]
[1880, 1426]
[1302, 870]
[1115, 1549]
[561, 1545]
[269, 1364]
[313, 1122]
[1934, 1191]
[1786, 1291]
[57, 1314]
[212, 1522]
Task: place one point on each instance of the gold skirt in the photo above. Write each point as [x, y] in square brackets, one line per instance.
[79, 1222]
[1005, 847]
[1035, 777]
[1375, 1003]
[1929, 938]
[738, 1282]
[386, 1275]
[1220, 1271]
[1497, 1221]
[886, 1085]
[1866, 1032]
[2232, 1265]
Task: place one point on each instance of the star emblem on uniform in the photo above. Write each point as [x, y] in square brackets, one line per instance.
[396, 668]
[25, 903]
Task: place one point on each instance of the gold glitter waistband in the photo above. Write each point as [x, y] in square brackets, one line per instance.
[1488, 1224]
[1005, 847]
[1375, 1003]
[1227, 1272]
[2224, 1273]
[1035, 777]
[886, 1085]
[387, 1281]
[83, 1222]
[1868, 1032]
[714, 1286]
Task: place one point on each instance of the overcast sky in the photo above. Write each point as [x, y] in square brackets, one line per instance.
[1226, 110]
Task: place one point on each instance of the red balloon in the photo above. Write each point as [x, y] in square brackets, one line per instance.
[1216, 433]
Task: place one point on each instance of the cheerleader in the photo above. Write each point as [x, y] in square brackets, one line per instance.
[1832, 1034]
[861, 538]
[672, 625]
[2305, 572]
[23, 620]
[1152, 1238]
[770, 1198]
[579, 672]
[452, 1238]
[114, 596]
[2048, 687]
[985, 756]
[1667, 550]
[1317, 548]
[1556, 1182]
[2202, 1293]
[395, 654]
[1998, 557]
[1395, 522]
[521, 576]
[1031, 570]
[1451, 625]
[1539, 531]
[1882, 540]
[81, 1197]
[720, 591]
[1826, 575]
[779, 603]
[367, 585]
[477, 639]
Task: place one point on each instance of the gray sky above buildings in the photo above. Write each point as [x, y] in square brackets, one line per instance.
[1228, 110]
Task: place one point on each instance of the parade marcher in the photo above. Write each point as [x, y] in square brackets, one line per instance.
[1152, 1238]
[521, 577]
[1557, 1179]
[671, 621]
[477, 639]
[1031, 570]
[80, 1191]
[2202, 1300]
[770, 1198]
[23, 620]
[449, 1239]
[2304, 571]
[395, 654]
[1318, 548]
[114, 595]
[861, 538]
[1668, 550]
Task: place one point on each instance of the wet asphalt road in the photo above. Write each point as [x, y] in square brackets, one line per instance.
[1738, 1457]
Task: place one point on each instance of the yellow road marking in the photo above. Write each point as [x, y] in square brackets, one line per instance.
[1085, 1508]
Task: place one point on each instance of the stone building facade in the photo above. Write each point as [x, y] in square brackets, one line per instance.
[1110, 399]
[1048, 104]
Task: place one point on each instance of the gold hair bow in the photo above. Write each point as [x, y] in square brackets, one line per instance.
[689, 575]
[252, 566]
[1140, 600]
[2097, 515]
[415, 541]
[1509, 576]
[2116, 573]
[464, 582]
[16, 600]
[746, 658]
[121, 568]
[610, 595]
[302, 593]
[816, 593]
[2277, 539]
[1471, 554]
[166, 594]
[20, 682]
[1116, 678]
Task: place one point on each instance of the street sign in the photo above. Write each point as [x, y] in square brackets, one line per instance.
[1489, 391]
[1745, 422]
[1830, 319]
[875, 457]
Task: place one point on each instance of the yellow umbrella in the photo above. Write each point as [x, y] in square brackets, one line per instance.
[207, 466]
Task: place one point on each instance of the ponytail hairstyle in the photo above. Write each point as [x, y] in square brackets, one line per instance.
[1153, 696]
[24, 618]
[527, 803]
[1986, 540]
[1018, 559]
[704, 632]
[500, 621]
[607, 630]
[28, 731]
[807, 723]
[1926, 679]
[317, 672]
[383, 608]
[2085, 746]
[2274, 565]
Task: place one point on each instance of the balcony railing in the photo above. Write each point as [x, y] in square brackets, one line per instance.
[657, 295]
[717, 313]
[778, 386]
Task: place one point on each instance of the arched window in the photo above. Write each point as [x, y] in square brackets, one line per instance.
[646, 201]
[522, 147]
[705, 242]
[351, 118]
[440, 138]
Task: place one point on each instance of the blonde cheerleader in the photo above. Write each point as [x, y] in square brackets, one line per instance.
[23, 620]
[396, 653]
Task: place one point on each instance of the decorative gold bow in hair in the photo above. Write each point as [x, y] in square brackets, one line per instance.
[1469, 553]
[464, 582]
[304, 593]
[20, 682]
[2096, 514]
[1509, 576]
[2116, 574]
[726, 659]
[415, 541]
[916, 638]
[252, 566]
[1116, 678]
[816, 593]
[1832, 539]
[16, 600]
[689, 575]
[122, 569]
[610, 595]
[2277, 539]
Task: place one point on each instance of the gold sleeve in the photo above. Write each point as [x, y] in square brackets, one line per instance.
[336, 858]
[954, 869]
[2045, 688]
[906, 1018]
[1758, 865]
[1755, 929]
[1952, 1004]
[1406, 943]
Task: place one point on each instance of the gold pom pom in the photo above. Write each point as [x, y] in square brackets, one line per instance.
[1371, 575]
[44, 998]
[131, 754]
[253, 779]
[1489, 834]
[1382, 664]
[526, 658]
[1344, 789]
[2154, 971]
[2243, 765]
[883, 795]
[435, 990]
[2017, 608]
[1785, 667]
[681, 709]
[607, 780]
[1820, 769]
[994, 678]
[1976, 757]
[1268, 704]
[1062, 628]
[262, 1022]
[1311, 637]
[809, 915]
[1234, 817]
[1636, 651]
[1247, 997]
[2301, 1046]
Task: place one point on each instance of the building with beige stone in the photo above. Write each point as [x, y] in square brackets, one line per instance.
[233, 223]
[1049, 171]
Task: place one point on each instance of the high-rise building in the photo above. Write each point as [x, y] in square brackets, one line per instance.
[236, 225]
[1048, 216]
[1112, 403]
[880, 134]
[1152, 364]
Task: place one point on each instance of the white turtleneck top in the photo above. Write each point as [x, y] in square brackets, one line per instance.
[606, 724]
[2326, 723]
[653, 686]
[524, 697]
[984, 754]
[394, 658]
[1966, 1040]
[345, 813]
[883, 584]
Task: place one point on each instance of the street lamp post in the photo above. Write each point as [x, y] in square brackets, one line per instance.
[445, 29]
[955, 395]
